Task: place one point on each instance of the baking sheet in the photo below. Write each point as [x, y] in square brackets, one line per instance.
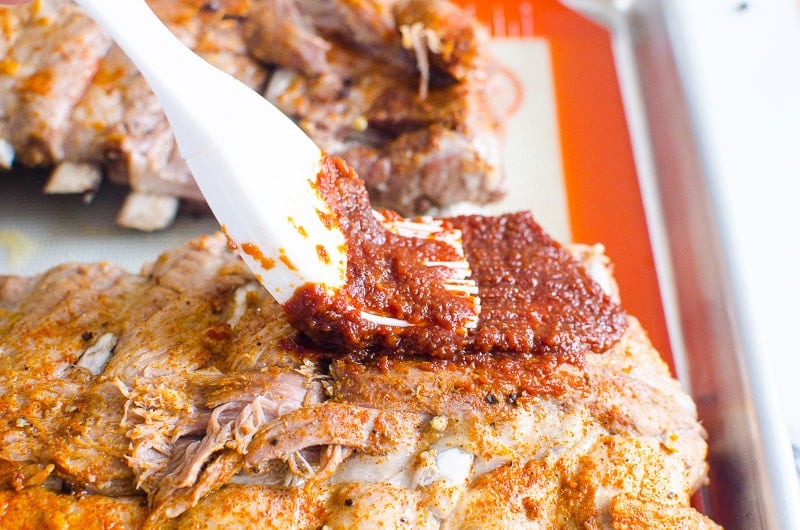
[590, 172]
[713, 114]
[39, 231]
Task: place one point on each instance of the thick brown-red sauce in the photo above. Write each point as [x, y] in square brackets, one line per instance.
[535, 299]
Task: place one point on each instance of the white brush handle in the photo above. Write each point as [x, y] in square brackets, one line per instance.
[255, 167]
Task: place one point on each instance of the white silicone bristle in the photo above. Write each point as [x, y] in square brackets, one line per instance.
[458, 281]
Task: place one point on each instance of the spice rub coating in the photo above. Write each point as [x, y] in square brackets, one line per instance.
[175, 399]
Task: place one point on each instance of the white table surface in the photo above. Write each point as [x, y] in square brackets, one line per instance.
[740, 61]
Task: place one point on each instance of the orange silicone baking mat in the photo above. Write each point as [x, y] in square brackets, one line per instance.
[603, 198]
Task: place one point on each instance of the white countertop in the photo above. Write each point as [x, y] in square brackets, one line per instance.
[740, 61]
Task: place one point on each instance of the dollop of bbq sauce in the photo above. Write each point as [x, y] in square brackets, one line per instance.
[535, 298]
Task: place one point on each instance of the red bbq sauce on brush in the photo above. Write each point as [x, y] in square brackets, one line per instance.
[535, 298]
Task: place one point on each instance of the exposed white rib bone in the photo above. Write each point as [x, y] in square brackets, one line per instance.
[147, 212]
[71, 177]
[6, 154]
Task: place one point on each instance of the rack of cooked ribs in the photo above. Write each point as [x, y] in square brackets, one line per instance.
[182, 398]
[399, 88]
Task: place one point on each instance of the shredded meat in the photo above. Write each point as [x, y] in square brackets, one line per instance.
[199, 406]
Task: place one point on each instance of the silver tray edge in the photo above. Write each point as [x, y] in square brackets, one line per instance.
[753, 479]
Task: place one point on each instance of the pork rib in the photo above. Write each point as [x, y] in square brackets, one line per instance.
[185, 388]
[350, 73]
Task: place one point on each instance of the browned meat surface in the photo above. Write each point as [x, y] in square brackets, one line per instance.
[181, 398]
[370, 80]
[415, 78]
[53, 61]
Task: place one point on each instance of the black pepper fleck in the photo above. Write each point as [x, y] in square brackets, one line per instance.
[511, 399]
[491, 399]
[87, 335]
[274, 441]
[348, 502]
